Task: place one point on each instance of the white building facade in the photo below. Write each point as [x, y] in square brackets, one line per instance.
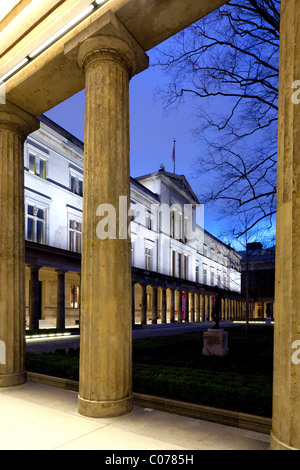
[167, 237]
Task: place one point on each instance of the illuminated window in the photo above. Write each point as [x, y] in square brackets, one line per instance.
[186, 267]
[204, 275]
[74, 297]
[76, 185]
[42, 169]
[37, 165]
[148, 259]
[35, 224]
[32, 163]
[75, 232]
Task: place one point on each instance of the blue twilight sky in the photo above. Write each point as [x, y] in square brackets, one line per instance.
[152, 132]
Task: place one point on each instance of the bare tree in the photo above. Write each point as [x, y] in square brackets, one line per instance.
[229, 63]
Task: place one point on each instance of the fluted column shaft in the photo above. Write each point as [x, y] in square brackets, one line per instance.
[172, 305]
[163, 305]
[143, 304]
[154, 305]
[286, 375]
[105, 385]
[61, 301]
[34, 300]
[15, 125]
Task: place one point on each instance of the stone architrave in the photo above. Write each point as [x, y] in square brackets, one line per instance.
[215, 342]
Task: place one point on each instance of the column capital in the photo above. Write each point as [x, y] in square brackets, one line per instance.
[18, 120]
[106, 47]
[60, 271]
[107, 39]
[34, 267]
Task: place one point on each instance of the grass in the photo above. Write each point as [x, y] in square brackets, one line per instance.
[174, 367]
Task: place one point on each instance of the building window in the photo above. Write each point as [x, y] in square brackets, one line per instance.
[219, 279]
[179, 264]
[148, 259]
[35, 231]
[224, 280]
[37, 166]
[74, 297]
[186, 267]
[197, 272]
[212, 277]
[205, 250]
[148, 219]
[76, 185]
[205, 275]
[32, 165]
[176, 225]
[43, 165]
[173, 267]
[75, 230]
[173, 224]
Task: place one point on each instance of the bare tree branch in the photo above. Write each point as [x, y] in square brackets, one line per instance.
[229, 63]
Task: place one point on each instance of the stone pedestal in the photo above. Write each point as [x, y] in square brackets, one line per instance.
[215, 342]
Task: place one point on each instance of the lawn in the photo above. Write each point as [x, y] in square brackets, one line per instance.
[174, 367]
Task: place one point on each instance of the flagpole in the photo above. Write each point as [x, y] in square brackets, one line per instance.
[174, 155]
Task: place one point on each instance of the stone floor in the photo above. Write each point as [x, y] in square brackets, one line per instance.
[39, 417]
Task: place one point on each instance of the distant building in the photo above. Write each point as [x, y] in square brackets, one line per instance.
[258, 271]
[165, 236]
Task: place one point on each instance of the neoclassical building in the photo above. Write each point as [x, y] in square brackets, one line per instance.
[170, 249]
[50, 50]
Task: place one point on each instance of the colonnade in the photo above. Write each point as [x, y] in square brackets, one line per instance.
[106, 57]
[152, 303]
[35, 301]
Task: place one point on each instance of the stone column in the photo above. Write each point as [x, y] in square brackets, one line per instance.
[34, 298]
[286, 381]
[197, 307]
[105, 384]
[211, 299]
[61, 301]
[144, 304]
[154, 305]
[79, 280]
[133, 304]
[179, 306]
[201, 307]
[172, 305]
[163, 305]
[206, 309]
[15, 126]
[187, 306]
[192, 307]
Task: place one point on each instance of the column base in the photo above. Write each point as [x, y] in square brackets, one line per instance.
[12, 380]
[276, 444]
[104, 409]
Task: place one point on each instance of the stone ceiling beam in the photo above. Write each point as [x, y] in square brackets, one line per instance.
[52, 78]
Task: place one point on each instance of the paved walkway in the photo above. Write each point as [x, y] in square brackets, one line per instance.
[51, 344]
[39, 417]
